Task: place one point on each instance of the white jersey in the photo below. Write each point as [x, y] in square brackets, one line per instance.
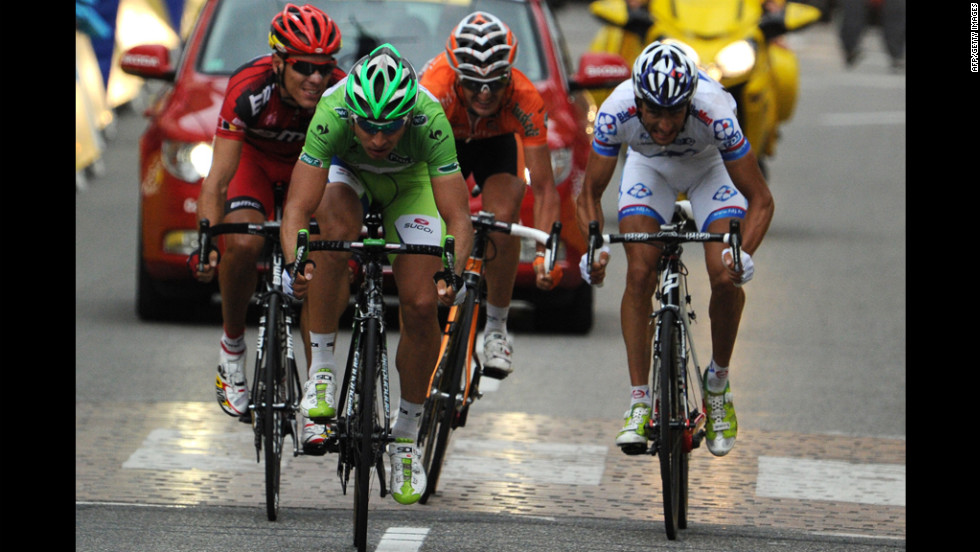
[711, 124]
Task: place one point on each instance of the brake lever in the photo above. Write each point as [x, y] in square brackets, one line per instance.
[735, 240]
[551, 246]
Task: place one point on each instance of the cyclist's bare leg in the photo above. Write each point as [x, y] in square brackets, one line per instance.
[727, 300]
[641, 282]
[418, 345]
[237, 277]
[502, 195]
[340, 217]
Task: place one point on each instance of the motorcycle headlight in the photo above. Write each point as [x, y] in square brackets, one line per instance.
[187, 161]
[733, 61]
[561, 164]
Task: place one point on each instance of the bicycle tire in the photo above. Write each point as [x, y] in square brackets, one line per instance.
[364, 409]
[273, 417]
[670, 448]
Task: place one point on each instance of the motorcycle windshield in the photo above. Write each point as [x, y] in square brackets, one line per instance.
[707, 19]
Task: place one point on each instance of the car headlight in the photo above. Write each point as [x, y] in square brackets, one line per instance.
[733, 61]
[561, 164]
[187, 161]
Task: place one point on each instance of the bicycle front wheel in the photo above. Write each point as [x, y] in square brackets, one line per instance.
[364, 428]
[275, 363]
[671, 431]
[439, 415]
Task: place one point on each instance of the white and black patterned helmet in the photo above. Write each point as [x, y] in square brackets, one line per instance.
[664, 75]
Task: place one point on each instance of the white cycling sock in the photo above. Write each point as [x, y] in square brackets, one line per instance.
[496, 319]
[717, 377]
[322, 350]
[640, 394]
[232, 347]
[407, 423]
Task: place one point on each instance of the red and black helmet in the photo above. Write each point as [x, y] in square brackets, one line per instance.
[303, 31]
[481, 47]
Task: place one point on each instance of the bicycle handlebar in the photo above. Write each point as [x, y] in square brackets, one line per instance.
[733, 238]
[550, 241]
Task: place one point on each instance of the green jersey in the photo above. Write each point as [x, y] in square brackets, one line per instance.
[428, 139]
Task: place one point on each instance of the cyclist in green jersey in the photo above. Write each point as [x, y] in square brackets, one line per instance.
[378, 140]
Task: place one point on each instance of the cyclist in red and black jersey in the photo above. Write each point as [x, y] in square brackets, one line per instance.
[261, 129]
[499, 121]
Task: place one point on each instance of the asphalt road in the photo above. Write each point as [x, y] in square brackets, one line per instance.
[818, 375]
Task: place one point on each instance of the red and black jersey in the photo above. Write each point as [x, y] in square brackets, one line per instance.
[254, 111]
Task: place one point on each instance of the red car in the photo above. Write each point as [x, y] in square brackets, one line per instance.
[175, 150]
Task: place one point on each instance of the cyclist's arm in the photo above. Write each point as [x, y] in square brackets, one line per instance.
[305, 190]
[748, 178]
[598, 172]
[547, 204]
[453, 203]
[214, 190]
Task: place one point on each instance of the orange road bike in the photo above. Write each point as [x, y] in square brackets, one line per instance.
[455, 380]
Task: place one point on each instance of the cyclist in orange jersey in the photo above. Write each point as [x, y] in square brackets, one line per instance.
[493, 108]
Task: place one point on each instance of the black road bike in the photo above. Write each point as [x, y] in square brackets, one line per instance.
[677, 425]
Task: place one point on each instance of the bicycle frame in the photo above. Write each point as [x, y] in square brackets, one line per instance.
[361, 433]
[678, 423]
[276, 391]
[454, 384]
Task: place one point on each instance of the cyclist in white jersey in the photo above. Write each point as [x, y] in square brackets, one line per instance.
[683, 137]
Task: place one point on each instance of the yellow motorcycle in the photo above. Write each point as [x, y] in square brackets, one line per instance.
[736, 42]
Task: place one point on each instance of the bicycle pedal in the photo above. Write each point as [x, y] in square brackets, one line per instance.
[246, 418]
[495, 373]
[323, 420]
[316, 449]
[633, 449]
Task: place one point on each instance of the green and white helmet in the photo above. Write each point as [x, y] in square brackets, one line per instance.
[382, 86]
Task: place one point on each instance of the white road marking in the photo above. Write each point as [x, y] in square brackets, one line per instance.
[805, 479]
[402, 539]
[177, 450]
[499, 460]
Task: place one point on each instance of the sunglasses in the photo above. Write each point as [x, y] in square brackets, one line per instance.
[480, 86]
[306, 68]
[387, 129]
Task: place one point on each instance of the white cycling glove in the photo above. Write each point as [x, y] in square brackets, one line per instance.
[583, 263]
[748, 268]
[460, 295]
[287, 282]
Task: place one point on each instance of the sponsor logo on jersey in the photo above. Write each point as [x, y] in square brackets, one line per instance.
[623, 116]
[605, 126]
[702, 116]
[310, 160]
[525, 119]
[724, 193]
[448, 169]
[258, 101]
[639, 190]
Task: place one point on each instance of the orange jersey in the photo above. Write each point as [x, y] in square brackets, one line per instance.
[522, 110]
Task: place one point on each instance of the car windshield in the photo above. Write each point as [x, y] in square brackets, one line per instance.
[418, 28]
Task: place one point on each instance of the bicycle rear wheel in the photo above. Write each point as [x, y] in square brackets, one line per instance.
[439, 415]
[364, 429]
[671, 432]
[275, 363]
